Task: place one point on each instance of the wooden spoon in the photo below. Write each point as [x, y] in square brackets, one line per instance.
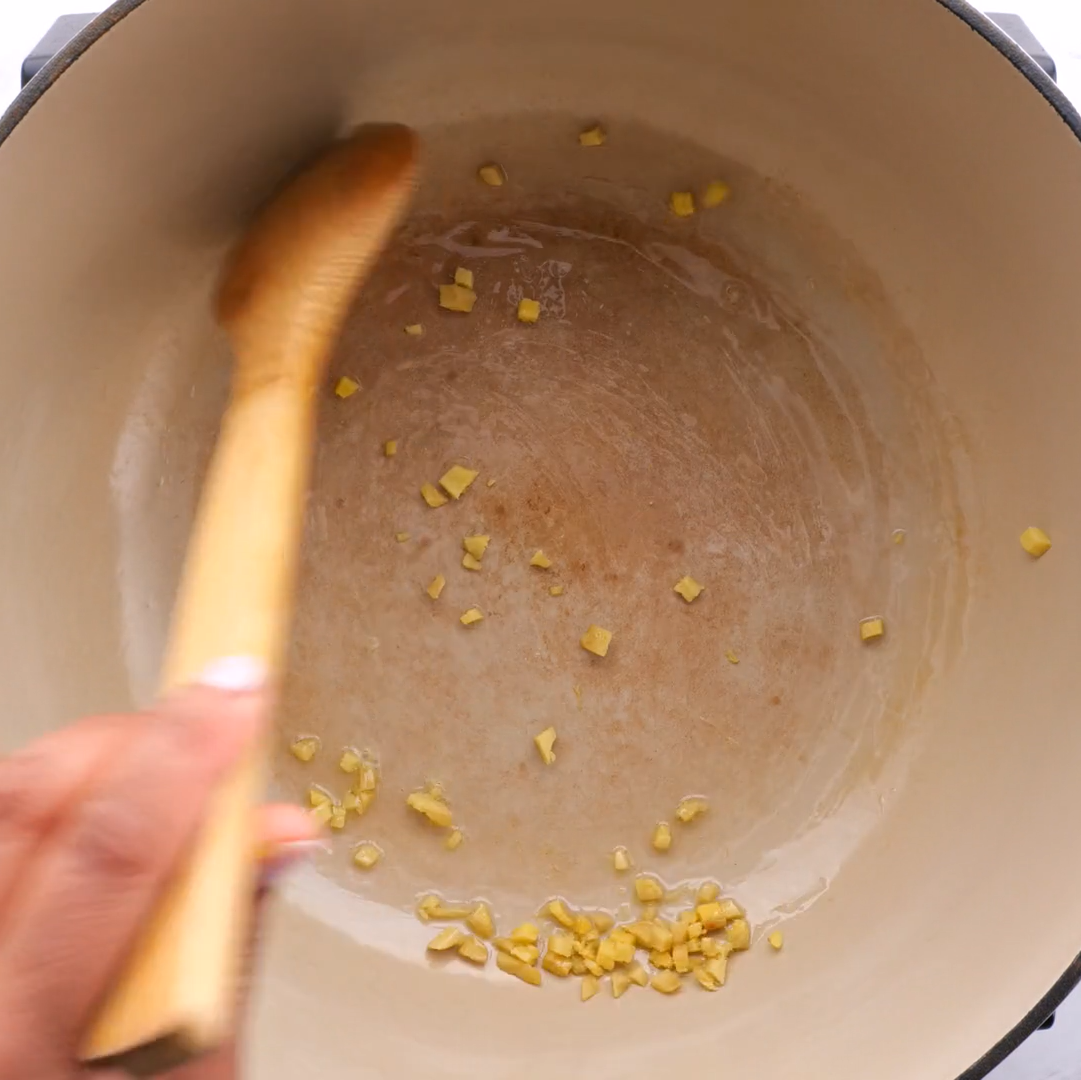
[284, 296]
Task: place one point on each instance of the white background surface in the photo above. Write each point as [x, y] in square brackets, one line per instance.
[1049, 1055]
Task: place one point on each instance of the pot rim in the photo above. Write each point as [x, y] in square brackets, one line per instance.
[976, 21]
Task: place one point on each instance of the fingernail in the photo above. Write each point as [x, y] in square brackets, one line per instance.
[236, 673]
[288, 855]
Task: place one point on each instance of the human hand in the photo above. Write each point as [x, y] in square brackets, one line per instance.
[93, 820]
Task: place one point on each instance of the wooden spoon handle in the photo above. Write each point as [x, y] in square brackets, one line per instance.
[283, 299]
[177, 995]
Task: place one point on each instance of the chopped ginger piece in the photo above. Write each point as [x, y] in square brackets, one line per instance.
[526, 934]
[337, 817]
[318, 797]
[776, 940]
[463, 277]
[367, 855]
[621, 983]
[690, 808]
[596, 640]
[1035, 541]
[432, 495]
[648, 889]
[705, 979]
[473, 950]
[712, 915]
[304, 748]
[401, 537]
[456, 298]
[480, 921]
[456, 479]
[621, 859]
[561, 945]
[606, 954]
[322, 813]
[390, 448]
[557, 911]
[708, 891]
[435, 810]
[492, 174]
[898, 536]
[681, 203]
[427, 906]
[688, 588]
[716, 192]
[346, 387]
[349, 761]
[593, 136]
[590, 986]
[872, 628]
[369, 778]
[545, 741]
[449, 938]
[431, 907]
[541, 561]
[662, 836]
[717, 968]
[637, 974]
[738, 933]
[556, 965]
[555, 590]
[602, 921]
[476, 545]
[666, 982]
[473, 615]
[414, 329]
[351, 801]
[469, 562]
[528, 310]
[454, 841]
[731, 657]
[731, 909]
[513, 966]
[528, 954]
[436, 586]
[681, 959]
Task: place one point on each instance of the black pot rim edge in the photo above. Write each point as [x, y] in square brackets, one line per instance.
[980, 25]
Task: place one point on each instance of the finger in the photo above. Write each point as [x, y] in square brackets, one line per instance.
[40, 783]
[280, 824]
[91, 891]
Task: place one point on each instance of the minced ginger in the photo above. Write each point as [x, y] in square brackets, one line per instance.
[596, 640]
[456, 479]
[305, 747]
[545, 741]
